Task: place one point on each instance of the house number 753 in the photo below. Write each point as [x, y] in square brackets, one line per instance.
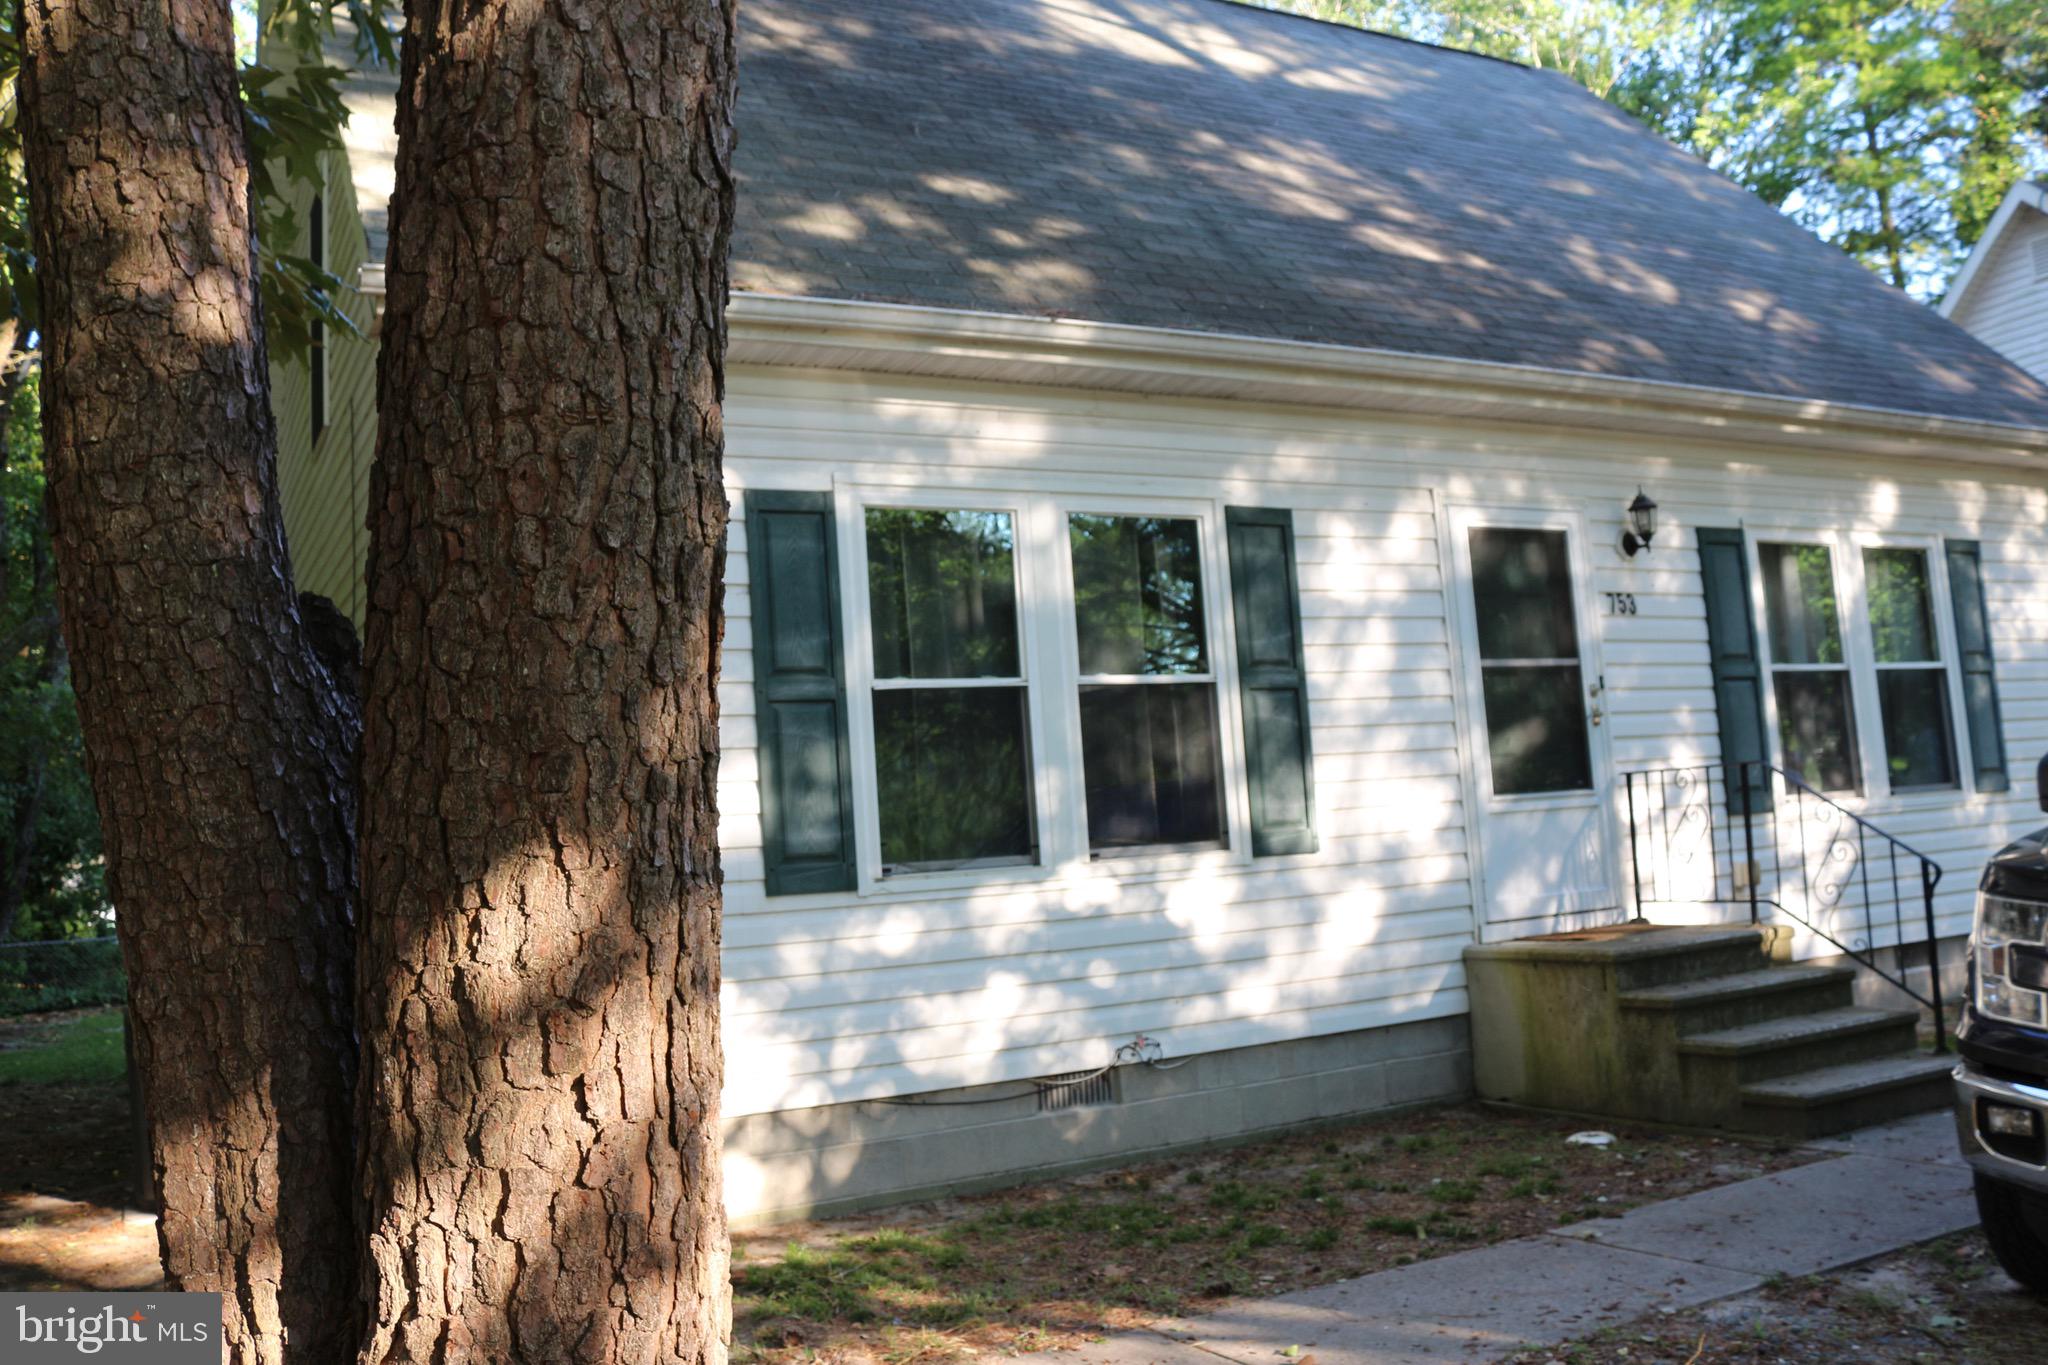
[1621, 604]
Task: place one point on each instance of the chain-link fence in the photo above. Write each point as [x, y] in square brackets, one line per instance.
[59, 974]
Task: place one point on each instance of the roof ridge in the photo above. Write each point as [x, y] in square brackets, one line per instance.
[1268, 7]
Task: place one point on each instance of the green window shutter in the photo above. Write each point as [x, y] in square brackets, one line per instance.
[1272, 680]
[1738, 673]
[1980, 688]
[800, 693]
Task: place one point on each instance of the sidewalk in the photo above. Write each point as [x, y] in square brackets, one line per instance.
[1886, 1188]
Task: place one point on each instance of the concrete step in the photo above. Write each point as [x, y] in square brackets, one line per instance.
[1741, 998]
[1836, 1099]
[1632, 956]
[1800, 1042]
[1671, 956]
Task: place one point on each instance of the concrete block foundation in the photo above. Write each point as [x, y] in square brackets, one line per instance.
[843, 1158]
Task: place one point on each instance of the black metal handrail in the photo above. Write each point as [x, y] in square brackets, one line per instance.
[1675, 856]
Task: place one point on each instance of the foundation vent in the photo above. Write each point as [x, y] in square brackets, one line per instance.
[1076, 1090]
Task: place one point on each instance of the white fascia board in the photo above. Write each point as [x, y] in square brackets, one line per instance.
[800, 332]
[2030, 194]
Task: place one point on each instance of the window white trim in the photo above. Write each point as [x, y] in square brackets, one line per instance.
[1848, 607]
[1859, 657]
[1941, 608]
[951, 684]
[1220, 637]
[1049, 656]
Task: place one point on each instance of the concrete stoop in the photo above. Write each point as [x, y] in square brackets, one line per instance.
[1700, 1026]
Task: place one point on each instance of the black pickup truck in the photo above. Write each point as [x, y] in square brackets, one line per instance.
[2002, 1083]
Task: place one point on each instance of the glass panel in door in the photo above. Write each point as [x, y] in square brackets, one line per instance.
[1530, 672]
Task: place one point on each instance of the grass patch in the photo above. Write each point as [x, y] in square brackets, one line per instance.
[889, 1276]
[1240, 1197]
[85, 1050]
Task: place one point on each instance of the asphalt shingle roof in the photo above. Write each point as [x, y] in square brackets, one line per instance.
[1202, 165]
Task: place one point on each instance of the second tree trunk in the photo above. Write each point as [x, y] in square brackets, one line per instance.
[541, 885]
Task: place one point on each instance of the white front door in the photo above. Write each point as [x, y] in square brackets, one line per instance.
[1534, 708]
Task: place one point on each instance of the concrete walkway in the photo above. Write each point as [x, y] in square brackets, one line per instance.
[1882, 1189]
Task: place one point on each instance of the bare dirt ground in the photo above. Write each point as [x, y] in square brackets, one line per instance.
[47, 1243]
[1055, 1264]
[1945, 1302]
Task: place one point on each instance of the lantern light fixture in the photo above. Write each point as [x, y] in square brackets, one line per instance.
[1642, 524]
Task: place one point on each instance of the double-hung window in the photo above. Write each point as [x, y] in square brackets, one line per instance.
[1912, 679]
[952, 732]
[1147, 689]
[1857, 631]
[1016, 683]
[1810, 680]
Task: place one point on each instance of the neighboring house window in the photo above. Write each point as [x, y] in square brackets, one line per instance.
[1809, 671]
[316, 251]
[951, 707]
[1020, 682]
[1912, 680]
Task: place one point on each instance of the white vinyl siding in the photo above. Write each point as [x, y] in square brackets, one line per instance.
[2007, 306]
[897, 990]
[903, 988]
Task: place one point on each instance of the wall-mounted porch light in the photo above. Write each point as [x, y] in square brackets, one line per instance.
[1642, 524]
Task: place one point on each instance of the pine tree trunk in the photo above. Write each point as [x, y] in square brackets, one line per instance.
[541, 881]
[219, 753]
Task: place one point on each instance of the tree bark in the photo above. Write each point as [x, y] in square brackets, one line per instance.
[1888, 227]
[539, 960]
[220, 754]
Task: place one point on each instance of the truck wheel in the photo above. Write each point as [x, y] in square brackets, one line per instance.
[2017, 1232]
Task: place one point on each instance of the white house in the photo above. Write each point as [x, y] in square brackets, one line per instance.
[1180, 455]
[2001, 294]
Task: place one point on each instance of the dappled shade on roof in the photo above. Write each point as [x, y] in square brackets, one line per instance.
[1201, 165]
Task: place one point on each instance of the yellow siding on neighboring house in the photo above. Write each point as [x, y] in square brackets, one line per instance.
[325, 481]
